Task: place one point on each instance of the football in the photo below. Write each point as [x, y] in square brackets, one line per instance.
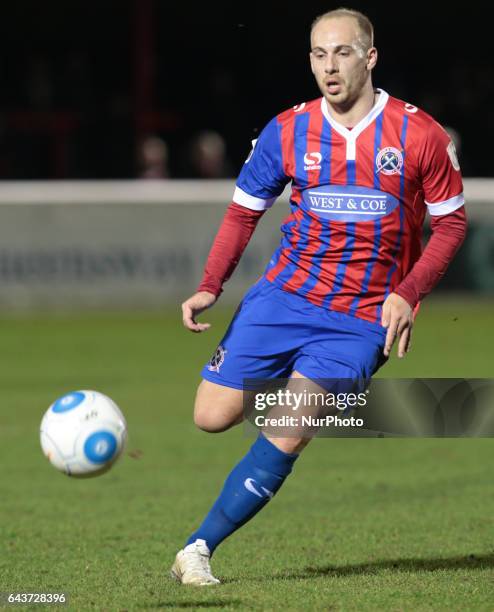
[83, 433]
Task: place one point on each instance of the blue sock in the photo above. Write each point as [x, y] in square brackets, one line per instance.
[248, 488]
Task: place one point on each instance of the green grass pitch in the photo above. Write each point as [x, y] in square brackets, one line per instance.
[362, 524]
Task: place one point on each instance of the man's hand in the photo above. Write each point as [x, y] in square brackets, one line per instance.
[397, 317]
[193, 307]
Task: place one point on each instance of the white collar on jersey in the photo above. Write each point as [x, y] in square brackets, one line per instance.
[351, 135]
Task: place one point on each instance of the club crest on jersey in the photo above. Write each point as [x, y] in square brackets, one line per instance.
[217, 359]
[389, 161]
[312, 161]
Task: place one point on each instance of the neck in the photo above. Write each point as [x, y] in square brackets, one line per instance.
[350, 114]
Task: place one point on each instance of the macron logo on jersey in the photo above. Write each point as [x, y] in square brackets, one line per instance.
[312, 161]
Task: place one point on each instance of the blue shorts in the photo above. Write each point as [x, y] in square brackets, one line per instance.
[275, 332]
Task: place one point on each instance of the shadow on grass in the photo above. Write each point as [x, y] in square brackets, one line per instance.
[215, 603]
[397, 565]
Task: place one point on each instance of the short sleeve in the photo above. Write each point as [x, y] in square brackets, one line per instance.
[441, 174]
[262, 178]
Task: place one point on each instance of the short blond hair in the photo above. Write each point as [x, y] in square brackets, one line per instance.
[364, 23]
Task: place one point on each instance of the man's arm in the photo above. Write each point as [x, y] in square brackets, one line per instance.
[234, 234]
[261, 180]
[448, 233]
[231, 240]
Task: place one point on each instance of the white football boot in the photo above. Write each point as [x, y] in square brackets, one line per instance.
[192, 565]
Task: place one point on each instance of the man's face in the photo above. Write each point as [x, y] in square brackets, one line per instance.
[340, 60]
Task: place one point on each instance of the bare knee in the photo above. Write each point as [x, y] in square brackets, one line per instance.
[217, 408]
[209, 420]
[301, 436]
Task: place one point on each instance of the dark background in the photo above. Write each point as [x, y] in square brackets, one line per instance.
[83, 83]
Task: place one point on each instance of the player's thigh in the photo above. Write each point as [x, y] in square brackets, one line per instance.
[259, 343]
[217, 407]
[299, 437]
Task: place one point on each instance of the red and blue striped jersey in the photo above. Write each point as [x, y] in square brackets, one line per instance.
[358, 198]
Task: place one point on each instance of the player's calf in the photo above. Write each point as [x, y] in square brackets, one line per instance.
[249, 487]
[289, 445]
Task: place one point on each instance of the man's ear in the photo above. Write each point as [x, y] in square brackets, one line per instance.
[371, 58]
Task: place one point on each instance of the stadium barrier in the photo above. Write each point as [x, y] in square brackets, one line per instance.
[106, 244]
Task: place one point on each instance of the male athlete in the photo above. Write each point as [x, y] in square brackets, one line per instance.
[343, 285]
